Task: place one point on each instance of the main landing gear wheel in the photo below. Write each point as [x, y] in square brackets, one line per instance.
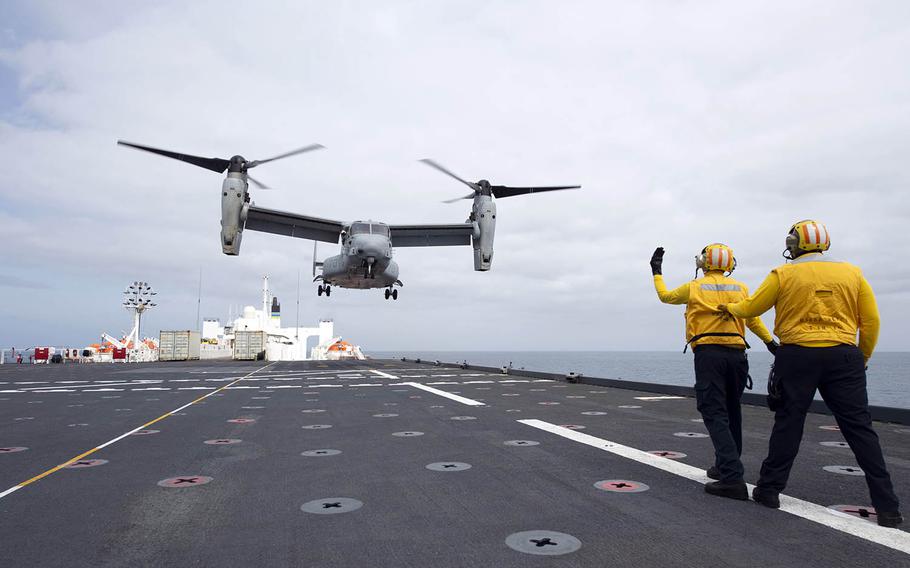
[388, 294]
[394, 294]
[328, 291]
[391, 293]
[320, 290]
[324, 289]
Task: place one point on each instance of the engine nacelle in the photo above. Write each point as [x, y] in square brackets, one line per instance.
[234, 208]
[483, 216]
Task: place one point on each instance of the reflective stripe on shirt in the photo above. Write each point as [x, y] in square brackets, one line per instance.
[721, 287]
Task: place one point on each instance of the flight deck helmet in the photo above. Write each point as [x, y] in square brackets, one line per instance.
[716, 256]
[807, 236]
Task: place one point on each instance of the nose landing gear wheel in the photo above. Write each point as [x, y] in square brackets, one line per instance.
[394, 294]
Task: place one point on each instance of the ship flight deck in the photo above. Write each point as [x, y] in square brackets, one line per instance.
[393, 463]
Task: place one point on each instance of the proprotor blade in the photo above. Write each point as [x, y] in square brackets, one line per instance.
[309, 148]
[214, 164]
[468, 196]
[500, 191]
[257, 183]
[433, 164]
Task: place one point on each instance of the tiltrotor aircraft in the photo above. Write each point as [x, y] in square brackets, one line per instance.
[365, 260]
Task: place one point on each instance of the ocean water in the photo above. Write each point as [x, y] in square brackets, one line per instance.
[888, 376]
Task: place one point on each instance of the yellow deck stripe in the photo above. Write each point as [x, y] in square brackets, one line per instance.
[147, 424]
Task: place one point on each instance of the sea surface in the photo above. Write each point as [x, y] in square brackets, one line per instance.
[888, 376]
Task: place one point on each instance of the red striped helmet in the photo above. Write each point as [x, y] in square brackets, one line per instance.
[716, 256]
[808, 236]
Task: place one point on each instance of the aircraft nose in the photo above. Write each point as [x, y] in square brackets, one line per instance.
[373, 245]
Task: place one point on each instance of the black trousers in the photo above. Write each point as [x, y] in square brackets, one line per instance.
[839, 374]
[720, 378]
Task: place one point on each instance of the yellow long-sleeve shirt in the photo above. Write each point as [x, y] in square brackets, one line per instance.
[681, 295]
[768, 294]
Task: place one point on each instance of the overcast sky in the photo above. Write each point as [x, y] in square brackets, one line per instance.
[686, 123]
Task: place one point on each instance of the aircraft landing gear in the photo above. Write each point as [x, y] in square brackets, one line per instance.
[320, 290]
[391, 293]
[324, 289]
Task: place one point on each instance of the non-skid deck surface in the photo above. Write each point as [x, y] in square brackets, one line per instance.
[395, 475]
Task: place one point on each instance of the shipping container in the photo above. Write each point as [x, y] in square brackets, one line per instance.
[249, 345]
[118, 353]
[178, 345]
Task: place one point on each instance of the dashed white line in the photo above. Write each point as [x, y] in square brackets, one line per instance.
[896, 539]
[450, 396]
[382, 374]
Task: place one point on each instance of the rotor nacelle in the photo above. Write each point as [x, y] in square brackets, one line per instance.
[234, 207]
[483, 217]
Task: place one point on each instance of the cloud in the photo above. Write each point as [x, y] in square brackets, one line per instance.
[686, 124]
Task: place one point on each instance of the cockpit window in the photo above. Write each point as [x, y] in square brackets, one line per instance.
[378, 229]
[360, 228]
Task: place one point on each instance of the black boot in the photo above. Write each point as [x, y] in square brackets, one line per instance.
[890, 519]
[732, 489]
[713, 473]
[767, 497]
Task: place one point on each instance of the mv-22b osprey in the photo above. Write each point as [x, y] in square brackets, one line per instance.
[365, 260]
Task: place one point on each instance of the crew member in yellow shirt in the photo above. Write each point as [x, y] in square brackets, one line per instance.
[819, 305]
[721, 367]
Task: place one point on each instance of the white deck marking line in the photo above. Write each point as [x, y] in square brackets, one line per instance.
[15, 488]
[442, 393]
[105, 385]
[892, 538]
[659, 397]
[381, 374]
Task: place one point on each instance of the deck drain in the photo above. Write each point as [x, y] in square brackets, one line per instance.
[593, 413]
[12, 449]
[510, 394]
[74, 405]
[537, 390]
[867, 513]
[86, 463]
[386, 415]
[390, 404]
[830, 428]
[575, 396]
[448, 466]
[407, 434]
[844, 469]
[144, 432]
[437, 406]
[572, 426]
[223, 441]
[668, 454]
[312, 400]
[260, 397]
[628, 406]
[513, 410]
[184, 481]
[24, 418]
[76, 425]
[316, 426]
[543, 543]
[835, 444]
[521, 443]
[331, 506]
[312, 411]
[252, 407]
[690, 435]
[548, 403]
[463, 418]
[241, 420]
[320, 453]
[621, 486]
[115, 396]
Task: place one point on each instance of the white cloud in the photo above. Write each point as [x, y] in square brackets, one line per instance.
[686, 123]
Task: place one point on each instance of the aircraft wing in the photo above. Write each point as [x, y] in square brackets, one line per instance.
[431, 235]
[293, 225]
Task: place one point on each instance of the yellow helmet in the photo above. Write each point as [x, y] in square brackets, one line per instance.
[716, 256]
[807, 236]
